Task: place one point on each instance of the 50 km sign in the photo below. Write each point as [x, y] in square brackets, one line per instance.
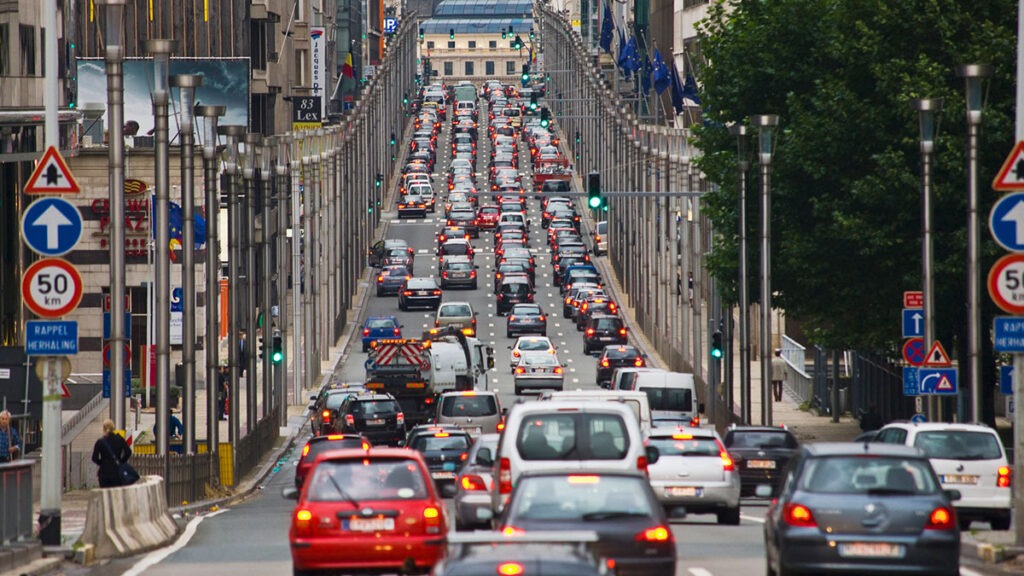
[1006, 283]
[51, 287]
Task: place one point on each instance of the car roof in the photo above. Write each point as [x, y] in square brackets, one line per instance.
[468, 393]
[372, 452]
[588, 472]
[941, 426]
[819, 449]
[696, 432]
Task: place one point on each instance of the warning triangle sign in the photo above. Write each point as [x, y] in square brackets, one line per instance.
[944, 384]
[52, 176]
[1011, 175]
[937, 357]
[64, 392]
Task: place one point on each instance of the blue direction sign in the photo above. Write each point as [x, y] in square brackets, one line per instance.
[1006, 221]
[51, 337]
[913, 323]
[938, 380]
[51, 226]
[911, 381]
[127, 383]
[918, 418]
[1006, 380]
[390, 25]
[1008, 333]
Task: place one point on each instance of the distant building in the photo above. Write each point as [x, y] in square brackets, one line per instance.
[472, 39]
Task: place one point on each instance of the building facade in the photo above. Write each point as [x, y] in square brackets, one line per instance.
[473, 39]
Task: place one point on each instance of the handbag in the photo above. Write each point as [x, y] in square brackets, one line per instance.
[125, 472]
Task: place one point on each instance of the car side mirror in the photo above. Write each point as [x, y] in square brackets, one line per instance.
[504, 411]
[952, 495]
[653, 454]
[312, 397]
[484, 458]
[290, 492]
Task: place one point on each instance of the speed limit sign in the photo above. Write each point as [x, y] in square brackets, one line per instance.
[1006, 283]
[51, 287]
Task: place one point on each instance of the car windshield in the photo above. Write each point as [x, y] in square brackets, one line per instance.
[366, 479]
[374, 407]
[578, 436]
[676, 399]
[517, 288]
[863, 474]
[441, 441]
[760, 439]
[620, 353]
[380, 323]
[534, 344]
[959, 445]
[686, 445]
[468, 406]
[579, 497]
[456, 310]
[527, 311]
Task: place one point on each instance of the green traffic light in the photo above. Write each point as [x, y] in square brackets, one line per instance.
[594, 202]
[276, 357]
[716, 353]
[533, 105]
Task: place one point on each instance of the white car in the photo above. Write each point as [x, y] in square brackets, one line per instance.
[695, 471]
[530, 345]
[968, 458]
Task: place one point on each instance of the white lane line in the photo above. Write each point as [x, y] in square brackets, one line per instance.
[969, 572]
[699, 572]
[158, 556]
[752, 518]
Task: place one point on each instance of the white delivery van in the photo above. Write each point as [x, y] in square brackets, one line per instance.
[624, 376]
[637, 402]
[672, 397]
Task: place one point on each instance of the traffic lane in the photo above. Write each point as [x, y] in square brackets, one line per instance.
[704, 548]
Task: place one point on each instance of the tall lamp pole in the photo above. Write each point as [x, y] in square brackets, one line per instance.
[743, 165]
[928, 110]
[974, 76]
[766, 124]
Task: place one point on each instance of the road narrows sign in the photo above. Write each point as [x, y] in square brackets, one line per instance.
[51, 287]
[52, 176]
[1006, 283]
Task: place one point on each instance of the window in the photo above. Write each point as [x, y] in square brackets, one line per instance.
[469, 68]
[674, 399]
[451, 43]
[489, 68]
[573, 436]
[472, 44]
[469, 406]
[337, 480]
[42, 42]
[510, 67]
[301, 59]
[449, 69]
[27, 39]
[430, 44]
[492, 44]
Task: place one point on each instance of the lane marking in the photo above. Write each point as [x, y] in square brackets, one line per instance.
[752, 518]
[699, 572]
[157, 556]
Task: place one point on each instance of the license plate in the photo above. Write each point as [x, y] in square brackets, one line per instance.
[605, 338]
[423, 293]
[871, 550]
[442, 475]
[959, 479]
[371, 524]
[375, 422]
[684, 491]
[761, 464]
[448, 466]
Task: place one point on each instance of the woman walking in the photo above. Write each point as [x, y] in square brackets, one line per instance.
[109, 453]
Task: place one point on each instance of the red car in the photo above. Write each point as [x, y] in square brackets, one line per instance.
[487, 216]
[319, 444]
[372, 510]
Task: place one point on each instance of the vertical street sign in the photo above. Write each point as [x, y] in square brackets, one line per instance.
[913, 323]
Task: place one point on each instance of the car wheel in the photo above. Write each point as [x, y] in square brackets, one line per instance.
[586, 350]
[297, 572]
[730, 517]
[366, 347]
[474, 286]
[402, 306]
[380, 292]
[1000, 522]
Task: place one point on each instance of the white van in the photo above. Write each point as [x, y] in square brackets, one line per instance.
[672, 396]
[637, 402]
[566, 436]
[624, 376]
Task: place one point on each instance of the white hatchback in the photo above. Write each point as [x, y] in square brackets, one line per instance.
[526, 345]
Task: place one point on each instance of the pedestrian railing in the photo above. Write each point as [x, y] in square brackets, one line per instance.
[16, 501]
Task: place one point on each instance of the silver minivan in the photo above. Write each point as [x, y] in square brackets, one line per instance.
[475, 411]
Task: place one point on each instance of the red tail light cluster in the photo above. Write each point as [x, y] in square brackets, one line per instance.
[472, 483]
[798, 515]
[504, 476]
[1005, 475]
[656, 534]
[942, 518]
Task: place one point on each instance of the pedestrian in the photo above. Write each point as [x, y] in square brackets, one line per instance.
[11, 447]
[243, 353]
[223, 389]
[780, 372]
[109, 453]
[871, 420]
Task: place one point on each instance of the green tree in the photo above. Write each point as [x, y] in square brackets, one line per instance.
[846, 198]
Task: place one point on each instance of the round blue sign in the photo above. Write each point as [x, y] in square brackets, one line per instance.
[51, 226]
[918, 419]
[1006, 221]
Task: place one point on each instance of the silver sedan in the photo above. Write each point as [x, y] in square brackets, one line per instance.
[694, 471]
[539, 371]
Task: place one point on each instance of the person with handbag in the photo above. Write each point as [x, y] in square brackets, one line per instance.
[111, 454]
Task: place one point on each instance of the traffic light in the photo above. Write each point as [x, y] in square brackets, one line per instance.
[716, 344]
[545, 119]
[392, 137]
[276, 348]
[577, 136]
[531, 33]
[594, 190]
[421, 33]
[504, 34]
[517, 44]
[526, 74]
[380, 180]
[533, 100]
[604, 204]
[451, 33]
[262, 346]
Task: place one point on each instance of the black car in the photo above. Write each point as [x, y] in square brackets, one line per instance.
[601, 331]
[419, 292]
[513, 290]
[444, 450]
[510, 268]
[319, 444]
[527, 318]
[761, 453]
[378, 417]
[491, 553]
[325, 411]
[617, 357]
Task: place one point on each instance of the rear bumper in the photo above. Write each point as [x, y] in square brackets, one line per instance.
[930, 553]
[714, 496]
[537, 383]
[367, 552]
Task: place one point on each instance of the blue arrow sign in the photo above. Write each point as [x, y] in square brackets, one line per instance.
[1006, 221]
[911, 381]
[51, 226]
[913, 323]
[51, 337]
[938, 380]
[1008, 333]
[1006, 380]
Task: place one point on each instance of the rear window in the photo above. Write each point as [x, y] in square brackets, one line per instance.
[682, 446]
[456, 311]
[607, 324]
[326, 445]
[434, 443]
[515, 288]
[366, 479]
[578, 436]
[456, 249]
[959, 445]
[760, 439]
[334, 401]
[468, 406]
[381, 323]
[865, 474]
[579, 497]
[620, 353]
[373, 407]
[675, 399]
[460, 266]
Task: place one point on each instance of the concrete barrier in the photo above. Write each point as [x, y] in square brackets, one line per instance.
[128, 520]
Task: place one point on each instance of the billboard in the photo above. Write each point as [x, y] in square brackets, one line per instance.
[225, 83]
[318, 60]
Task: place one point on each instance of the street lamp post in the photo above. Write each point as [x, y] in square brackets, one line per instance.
[253, 140]
[974, 76]
[233, 133]
[269, 400]
[743, 165]
[928, 110]
[766, 124]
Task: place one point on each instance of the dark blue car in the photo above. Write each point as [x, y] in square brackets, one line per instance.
[378, 327]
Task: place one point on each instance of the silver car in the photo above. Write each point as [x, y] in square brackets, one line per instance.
[473, 485]
[694, 471]
[539, 371]
[475, 411]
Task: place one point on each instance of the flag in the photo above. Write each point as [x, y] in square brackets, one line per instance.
[633, 61]
[623, 55]
[199, 230]
[660, 74]
[677, 89]
[690, 89]
[346, 69]
[607, 29]
[645, 76]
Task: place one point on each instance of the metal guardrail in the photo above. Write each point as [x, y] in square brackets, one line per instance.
[83, 413]
[16, 501]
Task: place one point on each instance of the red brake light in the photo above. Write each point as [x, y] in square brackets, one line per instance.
[940, 519]
[520, 370]
[590, 331]
[473, 483]
[727, 463]
[604, 363]
[798, 515]
[558, 370]
[366, 331]
[641, 463]
[622, 331]
[1005, 475]
[380, 278]
[326, 415]
[350, 420]
[504, 476]
[400, 418]
[656, 534]
[305, 450]
[407, 293]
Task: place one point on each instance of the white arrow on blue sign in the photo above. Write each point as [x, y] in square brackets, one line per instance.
[938, 380]
[1006, 380]
[1008, 333]
[913, 323]
[51, 226]
[1006, 222]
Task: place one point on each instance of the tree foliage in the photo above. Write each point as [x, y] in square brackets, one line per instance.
[845, 181]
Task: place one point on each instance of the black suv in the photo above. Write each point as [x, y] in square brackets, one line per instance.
[601, 331]
[378, 417]
[325, 411]
[613, 357]
[761, 454]
[444, 448]
[513, 290]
